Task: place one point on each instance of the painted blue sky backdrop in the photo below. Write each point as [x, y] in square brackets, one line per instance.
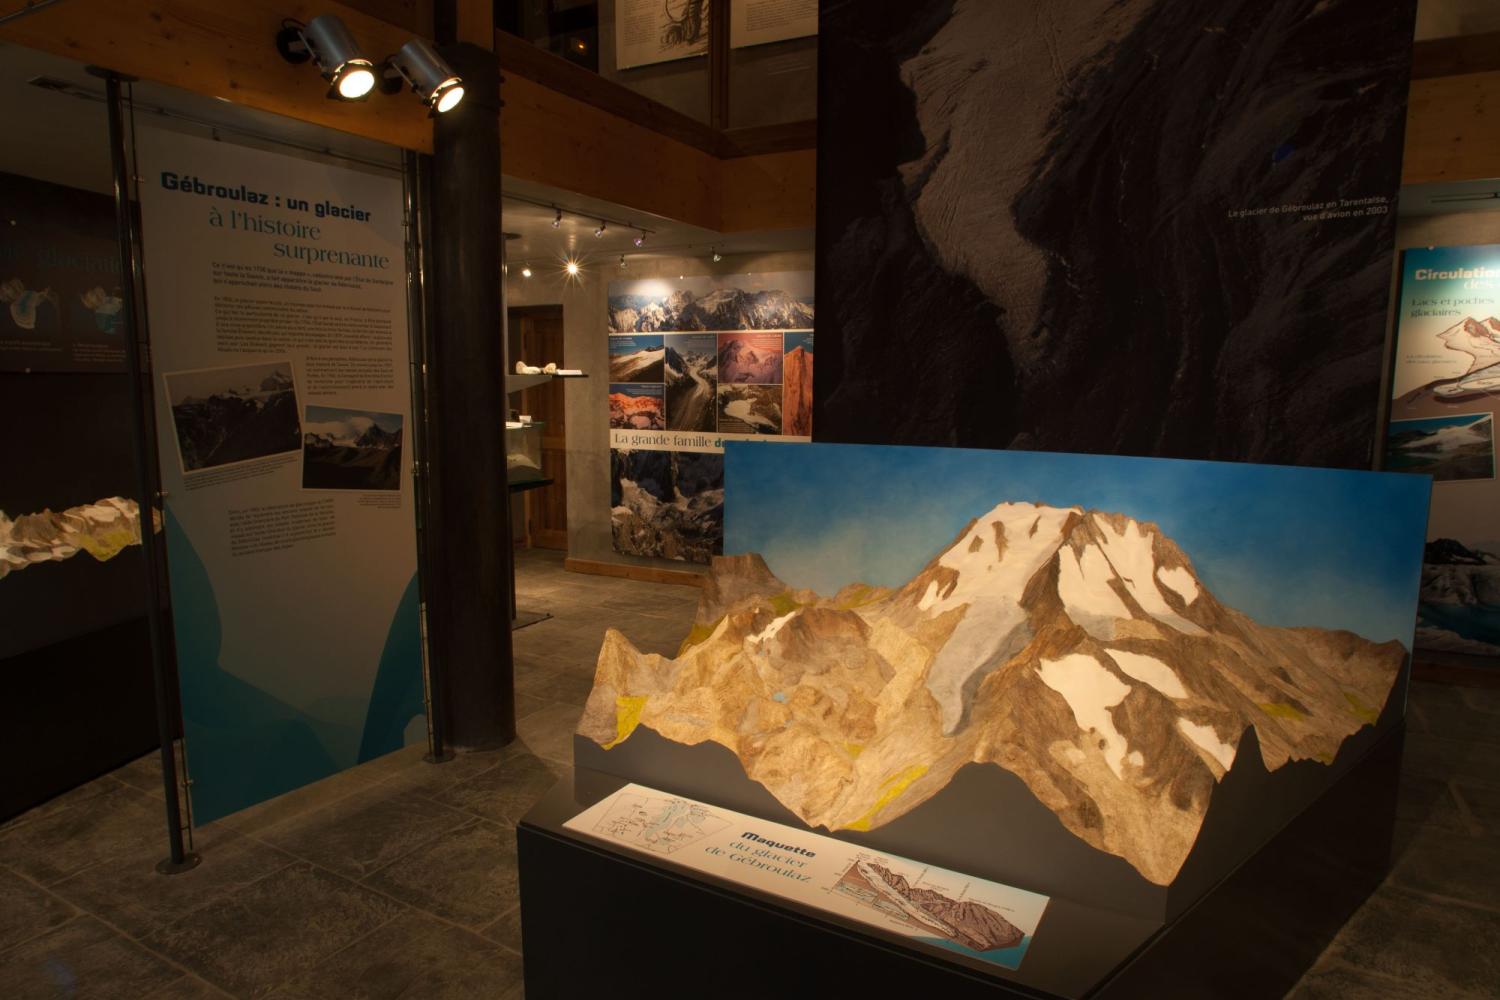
[1287, 546]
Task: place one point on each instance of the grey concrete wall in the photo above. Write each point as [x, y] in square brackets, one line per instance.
[586, 346]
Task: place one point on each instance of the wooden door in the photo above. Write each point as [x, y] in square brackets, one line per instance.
[541, 341]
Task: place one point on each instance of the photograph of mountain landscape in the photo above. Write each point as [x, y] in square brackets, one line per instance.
[1446, 448]
[1460, 611]
[345, 449]
[749, 409]
[797, 372]
[692, 376]
[1114, 633]
[636, 359]
[236, 414]
[781, 300]
[750, 358]
[636, 407]
[955, 266]
[667, 504]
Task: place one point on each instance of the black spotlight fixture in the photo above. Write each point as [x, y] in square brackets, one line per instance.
[718, 256]
[599, 233]
[429, 75]
[327, 42]
[557, 220]
[640, 238]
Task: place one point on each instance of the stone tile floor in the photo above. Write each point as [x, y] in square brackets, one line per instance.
[398, 878]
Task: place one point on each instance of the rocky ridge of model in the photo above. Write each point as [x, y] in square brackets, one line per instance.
[1074, 648]
[102, 529]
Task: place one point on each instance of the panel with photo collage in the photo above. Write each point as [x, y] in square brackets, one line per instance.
[693, 361]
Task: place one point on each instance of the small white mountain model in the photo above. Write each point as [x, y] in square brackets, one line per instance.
[1073, 648]
[102, 529]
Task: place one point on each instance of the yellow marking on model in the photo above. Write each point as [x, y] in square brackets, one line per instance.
[1281, 710]
[627, 717]
[854, 749]
[107, 544]
[1361, 711]
[894, 786]
[699, 633]
[784, 603]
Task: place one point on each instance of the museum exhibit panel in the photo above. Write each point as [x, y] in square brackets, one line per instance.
[429, 552]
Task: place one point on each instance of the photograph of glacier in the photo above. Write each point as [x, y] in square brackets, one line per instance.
[667, 504]
[636, 359]
[692, 378]
[749, 409]
[1460, 611]
[1118, 634]
[750, 358]
[636, 407]
[236, 414]
[345, 449]
[781, 300]
[1110, 226]
[1446, 448]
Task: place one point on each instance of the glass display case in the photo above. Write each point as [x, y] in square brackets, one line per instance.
[523, 453]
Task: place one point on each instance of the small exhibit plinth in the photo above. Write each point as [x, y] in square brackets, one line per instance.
[601, 918]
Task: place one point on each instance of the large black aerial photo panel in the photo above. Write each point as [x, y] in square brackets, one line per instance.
[1124, 226]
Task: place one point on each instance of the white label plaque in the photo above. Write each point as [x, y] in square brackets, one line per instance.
[983, 920]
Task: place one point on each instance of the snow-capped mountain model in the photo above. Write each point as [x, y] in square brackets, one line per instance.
[102, 529]
[1074, 648]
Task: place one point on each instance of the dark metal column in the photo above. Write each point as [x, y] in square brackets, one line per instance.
[469, 539]
[149, 497]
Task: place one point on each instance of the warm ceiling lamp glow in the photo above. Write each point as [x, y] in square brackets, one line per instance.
[572, 268]
[355, 80]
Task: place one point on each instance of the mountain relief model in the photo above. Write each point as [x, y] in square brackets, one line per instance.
[722, 309]
[1074, 648]
[102, 529]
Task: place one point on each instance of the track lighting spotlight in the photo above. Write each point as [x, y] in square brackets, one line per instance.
[525, 270]
[327, 42]
[718, 256]
[640, 239]
[428, 73]
[622, 262]
[599, 233]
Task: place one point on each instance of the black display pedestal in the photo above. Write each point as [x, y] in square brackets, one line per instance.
[602, 922]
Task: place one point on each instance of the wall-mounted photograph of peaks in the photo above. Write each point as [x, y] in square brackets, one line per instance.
[1027, 666]
[1114, 264]
[223, 416]
[61, 308]
[775, 300]
[345, 449]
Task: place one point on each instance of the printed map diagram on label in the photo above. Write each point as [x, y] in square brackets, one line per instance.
[662, 825]
[938, 913]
